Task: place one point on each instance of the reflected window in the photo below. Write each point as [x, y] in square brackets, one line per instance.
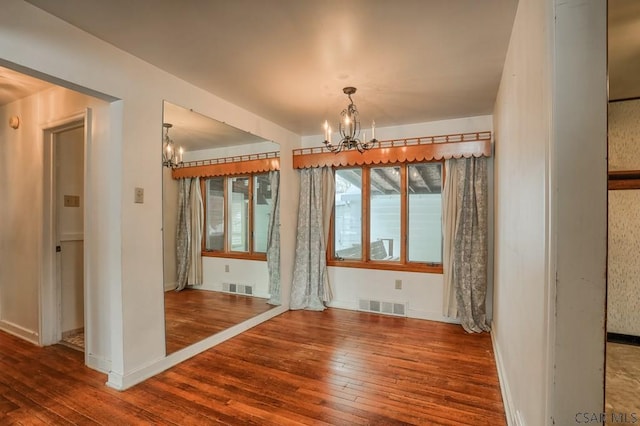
[214, 225]
[262, 205]
[238, 213]
[238, 210]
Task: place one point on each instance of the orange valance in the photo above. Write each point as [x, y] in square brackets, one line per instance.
[425, 148]
[240, 164]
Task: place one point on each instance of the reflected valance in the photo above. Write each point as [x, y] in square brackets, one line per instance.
[425, 148]
[237, 165]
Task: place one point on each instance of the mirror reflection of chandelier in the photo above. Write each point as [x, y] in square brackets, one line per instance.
[349, 129]
[170, 157]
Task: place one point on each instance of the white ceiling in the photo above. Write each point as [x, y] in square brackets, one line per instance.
[193, 131]
[14, 86]
[288, 60]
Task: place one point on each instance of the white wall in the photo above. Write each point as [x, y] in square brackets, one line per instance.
[128, 236]
[240, 271]
[580, 189]
[550, 212]
[20, 217]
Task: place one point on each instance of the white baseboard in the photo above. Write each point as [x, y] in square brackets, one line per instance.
[100, 364]
[504, 383]
[21, 332]
[122, 382]
[411, 313]
[169, 286]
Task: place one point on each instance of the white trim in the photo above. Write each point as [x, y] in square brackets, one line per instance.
[97, 363]
[71, 236]
[120, 382]
[507, 401]
[19, 331]
[411, 313]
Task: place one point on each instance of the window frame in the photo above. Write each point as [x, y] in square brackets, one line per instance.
[403, 264]
[226, 252]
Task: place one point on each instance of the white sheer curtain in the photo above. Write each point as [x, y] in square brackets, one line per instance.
[189, 233]
[310, 288]
[273, 240]
[465, 242]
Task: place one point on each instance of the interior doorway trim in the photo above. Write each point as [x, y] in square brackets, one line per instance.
[49, 296]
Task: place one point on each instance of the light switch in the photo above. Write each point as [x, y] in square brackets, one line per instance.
[138, 195]
[72, 201]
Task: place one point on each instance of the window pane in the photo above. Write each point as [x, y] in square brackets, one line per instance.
[262, 205]
[215, 214]
[238, 205]
[347, 222]
[425, 213]
[384, 214]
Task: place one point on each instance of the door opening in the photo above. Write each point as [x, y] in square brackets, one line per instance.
[68, 159]
[64, 290]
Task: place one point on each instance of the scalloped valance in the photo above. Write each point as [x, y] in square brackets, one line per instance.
[425, 148]
[240, 164]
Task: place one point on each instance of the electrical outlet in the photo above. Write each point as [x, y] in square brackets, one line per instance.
[138, 196]
[398, 284]
[226, 268]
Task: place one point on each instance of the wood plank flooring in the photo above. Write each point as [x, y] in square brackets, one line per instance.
[334, 367]
[192, 315]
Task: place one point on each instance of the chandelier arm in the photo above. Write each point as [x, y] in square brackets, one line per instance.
[348, 128]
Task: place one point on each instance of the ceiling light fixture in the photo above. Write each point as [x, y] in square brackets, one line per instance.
[170, 158]
[349, 128]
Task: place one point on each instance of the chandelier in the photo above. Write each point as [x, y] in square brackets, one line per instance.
[170, 158]
[349, 128]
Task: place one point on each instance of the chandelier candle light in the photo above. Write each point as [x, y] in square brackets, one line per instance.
[170, 158]
[349, 128]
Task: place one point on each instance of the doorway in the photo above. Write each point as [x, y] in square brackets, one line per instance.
[68, 162]
[63, 291]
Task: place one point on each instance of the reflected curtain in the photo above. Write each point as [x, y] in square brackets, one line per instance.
[467, 245]
[183, 234]
[449, 220]
[310, 287]
[195, 241]
[273, 240]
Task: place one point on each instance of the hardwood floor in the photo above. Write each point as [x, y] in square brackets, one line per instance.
[334, 367]
[192, 315]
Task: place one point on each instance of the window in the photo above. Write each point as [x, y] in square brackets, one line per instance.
[388, 217]
[238, 210]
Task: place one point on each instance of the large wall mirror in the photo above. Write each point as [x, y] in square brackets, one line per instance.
[235, 224]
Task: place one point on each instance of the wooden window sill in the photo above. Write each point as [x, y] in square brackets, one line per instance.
[245, 256]
[387, 266]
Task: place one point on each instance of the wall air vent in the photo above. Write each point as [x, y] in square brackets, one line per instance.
[237, 288]
[382, 307]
